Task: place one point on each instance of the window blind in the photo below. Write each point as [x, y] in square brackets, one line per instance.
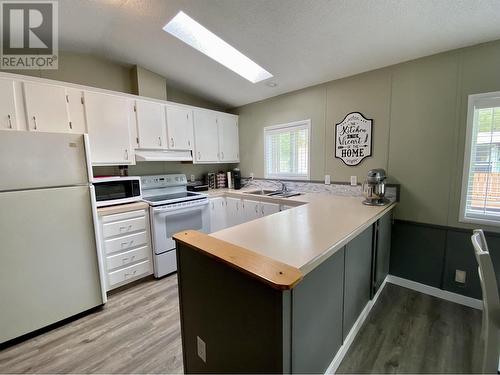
[482, 173]
[287, 150]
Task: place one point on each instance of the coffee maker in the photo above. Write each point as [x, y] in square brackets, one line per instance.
[237, 178]
[374, 188]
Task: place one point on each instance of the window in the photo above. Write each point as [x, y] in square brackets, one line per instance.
[481, 180]
[286, 153]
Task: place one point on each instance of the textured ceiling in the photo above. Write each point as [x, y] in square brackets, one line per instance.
[301, 42]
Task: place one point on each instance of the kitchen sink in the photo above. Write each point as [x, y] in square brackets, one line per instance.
[263, 192]
[274, 193]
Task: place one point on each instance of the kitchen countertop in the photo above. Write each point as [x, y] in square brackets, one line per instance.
[303, 236]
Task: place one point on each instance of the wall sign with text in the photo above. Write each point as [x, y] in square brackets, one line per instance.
[353, 138]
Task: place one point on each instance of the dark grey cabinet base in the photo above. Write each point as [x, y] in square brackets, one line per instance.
[247, 326]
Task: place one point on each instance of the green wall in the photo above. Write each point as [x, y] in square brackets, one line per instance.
[419, 110]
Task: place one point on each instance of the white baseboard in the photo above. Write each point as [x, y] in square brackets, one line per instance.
[436, 292]
[337, 360]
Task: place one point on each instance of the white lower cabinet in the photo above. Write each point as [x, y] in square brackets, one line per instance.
[226, 212]
[251, 210]
[269, 208]
[218, 217]
[125, 245]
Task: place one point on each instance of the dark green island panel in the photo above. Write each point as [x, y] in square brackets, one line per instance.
[244, 324]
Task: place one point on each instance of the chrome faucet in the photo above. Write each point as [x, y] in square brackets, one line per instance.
[283, 186]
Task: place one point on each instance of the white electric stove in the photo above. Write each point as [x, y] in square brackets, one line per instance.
[173, 209]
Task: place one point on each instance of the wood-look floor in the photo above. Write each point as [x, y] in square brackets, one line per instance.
[410, 332]
[137, 331]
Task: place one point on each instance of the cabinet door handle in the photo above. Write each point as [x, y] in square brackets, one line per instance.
[130, 274]
[126, 154]
[189, 142]
[171, 142]
[222, 153]
[10, 121]
[159, 141]
[256, 209]
[126, 228]
[70, 125]
[34, 121]
[262, 210]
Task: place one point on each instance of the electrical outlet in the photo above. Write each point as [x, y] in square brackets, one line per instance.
[354, 180]
[328, 179]
[202, 349]
[192, 178]
[460, 276]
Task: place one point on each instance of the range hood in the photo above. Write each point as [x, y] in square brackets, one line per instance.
[163, 155]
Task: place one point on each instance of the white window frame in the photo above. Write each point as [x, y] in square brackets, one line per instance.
[295, 124]
[475, 101]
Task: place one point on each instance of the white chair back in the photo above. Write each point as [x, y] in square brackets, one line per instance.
[491, 303]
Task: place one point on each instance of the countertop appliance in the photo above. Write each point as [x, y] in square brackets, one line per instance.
[197, 186]
[173, 209]
[49, 265]
[237, 178]
[374, 188]
[117, 190]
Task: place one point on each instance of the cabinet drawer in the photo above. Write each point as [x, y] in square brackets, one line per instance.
[124, 243]
[124, 227]
[139, 269]
[128, 257]
[123, 216]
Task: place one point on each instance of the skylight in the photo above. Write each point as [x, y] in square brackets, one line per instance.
[197, 36]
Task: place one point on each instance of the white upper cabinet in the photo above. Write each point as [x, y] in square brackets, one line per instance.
[206, 138]
[108, 125]
[180, 127]
[228, 138]
[117, 123]
[151, 126]
[8, 108]
[46, 108]
[76, 110]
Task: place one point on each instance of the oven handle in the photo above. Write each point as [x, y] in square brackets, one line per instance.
[176, 210]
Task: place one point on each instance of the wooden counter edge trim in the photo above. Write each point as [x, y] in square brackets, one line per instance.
[272, 272]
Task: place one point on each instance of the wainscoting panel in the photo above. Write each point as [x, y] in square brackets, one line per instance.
[460, 256]
[417, 253]
[430, 254]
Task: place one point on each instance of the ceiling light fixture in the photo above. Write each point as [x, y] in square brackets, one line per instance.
[197, 36]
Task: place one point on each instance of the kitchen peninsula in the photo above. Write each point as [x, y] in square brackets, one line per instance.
[281, 293]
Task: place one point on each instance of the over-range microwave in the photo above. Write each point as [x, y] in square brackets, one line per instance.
[116, 190]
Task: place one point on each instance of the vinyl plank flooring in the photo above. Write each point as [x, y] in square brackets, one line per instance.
[137, 331]
[410, 332]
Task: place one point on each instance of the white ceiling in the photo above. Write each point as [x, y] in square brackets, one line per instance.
[301, 42]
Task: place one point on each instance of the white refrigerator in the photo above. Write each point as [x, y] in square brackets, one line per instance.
[49, 267]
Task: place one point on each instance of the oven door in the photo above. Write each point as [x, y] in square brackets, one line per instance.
[170, 220]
